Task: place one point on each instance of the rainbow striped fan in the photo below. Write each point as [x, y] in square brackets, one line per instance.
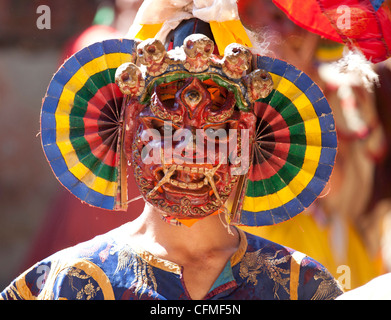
[295, 147]
[81, 124]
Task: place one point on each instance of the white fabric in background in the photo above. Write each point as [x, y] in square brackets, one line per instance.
[172, 12]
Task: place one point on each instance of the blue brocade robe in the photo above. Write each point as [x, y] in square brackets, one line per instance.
[108, 267]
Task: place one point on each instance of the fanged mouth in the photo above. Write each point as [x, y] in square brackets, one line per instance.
[187, 177]
[200, 178]
[190, 185]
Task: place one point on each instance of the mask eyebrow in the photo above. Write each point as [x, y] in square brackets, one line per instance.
[235, 88]
[168, 90]
[218, 93]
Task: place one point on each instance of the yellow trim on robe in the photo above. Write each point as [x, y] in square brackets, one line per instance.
[238, 255]
[98, 275]
[21, 287]
[296, 259]
[88, 267]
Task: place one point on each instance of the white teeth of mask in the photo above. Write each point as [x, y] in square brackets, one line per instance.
[190, 185]
[169, 171]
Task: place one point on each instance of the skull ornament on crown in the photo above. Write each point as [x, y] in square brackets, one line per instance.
[189, 123]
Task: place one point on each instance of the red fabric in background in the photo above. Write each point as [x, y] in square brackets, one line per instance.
[308, 15]
[370, 30]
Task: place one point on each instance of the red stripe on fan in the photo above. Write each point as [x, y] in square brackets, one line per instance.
[93, 121]
[107, 93]
[270, 115]
[100, 100]
[98, 148]
[105, 154]
[268, 168]
[101, 151]
[274, 131]
[274, 141]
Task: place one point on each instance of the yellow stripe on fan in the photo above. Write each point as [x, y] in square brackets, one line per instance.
[79, 79]
[78, 169]
[311, 157]
[92, 181]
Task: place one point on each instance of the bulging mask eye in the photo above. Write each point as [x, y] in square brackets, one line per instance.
[193, 97]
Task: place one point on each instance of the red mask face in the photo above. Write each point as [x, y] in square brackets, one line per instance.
[189, 146]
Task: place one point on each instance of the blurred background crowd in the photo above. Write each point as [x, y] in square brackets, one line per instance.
[348, 229]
